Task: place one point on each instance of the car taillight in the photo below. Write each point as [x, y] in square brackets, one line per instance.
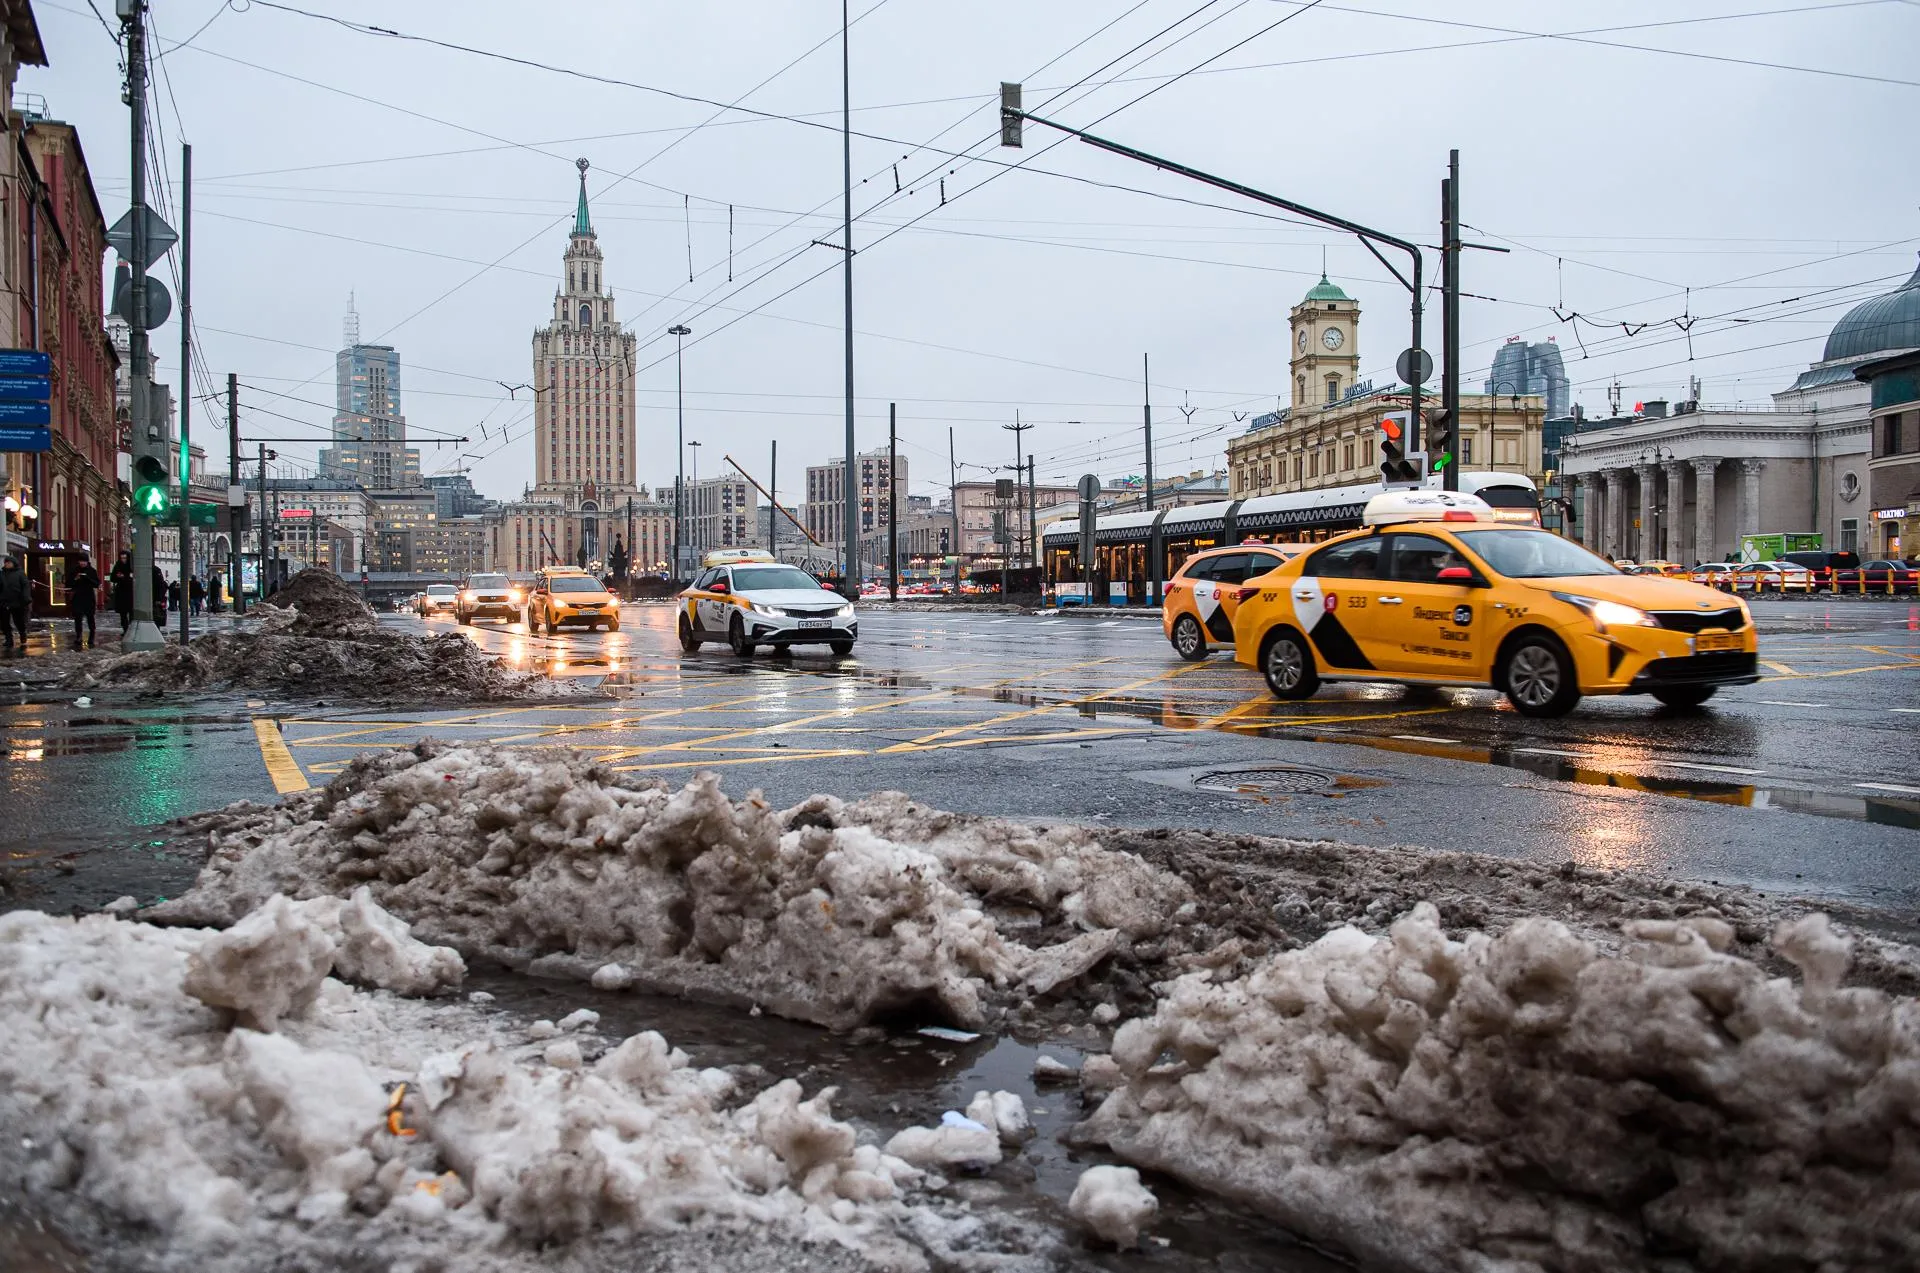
[1248, 594]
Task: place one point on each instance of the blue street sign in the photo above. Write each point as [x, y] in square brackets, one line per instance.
[24, 389]
[25, 438]
[25, 413]
[25, 362]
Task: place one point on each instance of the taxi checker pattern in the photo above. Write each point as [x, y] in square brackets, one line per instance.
[1203, 596]
[1433, 591]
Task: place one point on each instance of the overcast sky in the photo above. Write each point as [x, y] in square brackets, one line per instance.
[1743, 163]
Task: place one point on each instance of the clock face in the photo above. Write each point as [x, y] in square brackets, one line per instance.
[1301, 342]
[1333, 338]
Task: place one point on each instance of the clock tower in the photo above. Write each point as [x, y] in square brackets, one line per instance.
[1325, 358]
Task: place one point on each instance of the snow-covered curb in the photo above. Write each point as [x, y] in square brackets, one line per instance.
[830, 912]
[1528, 1101]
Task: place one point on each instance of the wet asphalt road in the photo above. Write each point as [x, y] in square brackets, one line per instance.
[1807, 783]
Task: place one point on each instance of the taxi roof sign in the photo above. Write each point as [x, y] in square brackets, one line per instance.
[1393, 507]
[735, 556]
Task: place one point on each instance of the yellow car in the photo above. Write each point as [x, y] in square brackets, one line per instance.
[562, 594]
[1434, 591]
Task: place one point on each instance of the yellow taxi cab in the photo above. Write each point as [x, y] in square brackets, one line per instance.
[1434, 591]
[746, 598]
[562, 594]
[1201, 598]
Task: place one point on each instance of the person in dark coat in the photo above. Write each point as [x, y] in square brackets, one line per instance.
[159, 597]
[196, 595]
[120, 582]
[83, 597]
[15, 598]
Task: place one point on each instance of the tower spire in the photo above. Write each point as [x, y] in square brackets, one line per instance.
[581, 225]
[351, 328]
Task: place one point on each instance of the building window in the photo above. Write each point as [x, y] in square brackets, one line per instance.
[1466, 450]
[1313, 465]
[1346, 458]
[1333, 390]
[1890, 435]
[1849, 534]
[1298, 468]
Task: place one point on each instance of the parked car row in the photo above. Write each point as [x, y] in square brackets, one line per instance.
[1840, 572]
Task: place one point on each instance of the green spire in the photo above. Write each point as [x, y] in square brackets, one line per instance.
[581, 225]
[1322, 291]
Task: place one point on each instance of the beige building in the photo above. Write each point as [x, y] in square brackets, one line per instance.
[826, 506]
[524, 536]
[1330, 435]
[584, 434]
[721, 513]
[454, 546]
[978, 507]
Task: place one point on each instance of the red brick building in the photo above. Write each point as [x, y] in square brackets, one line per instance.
[78, 484]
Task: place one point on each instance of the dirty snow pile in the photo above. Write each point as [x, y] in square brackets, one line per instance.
[316, 636]
[1530, 1101]
[545, 859]
[132, 1087]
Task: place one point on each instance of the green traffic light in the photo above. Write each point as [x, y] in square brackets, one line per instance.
[150, 501]
[1441, 461]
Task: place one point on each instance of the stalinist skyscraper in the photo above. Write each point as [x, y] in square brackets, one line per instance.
[584, 417]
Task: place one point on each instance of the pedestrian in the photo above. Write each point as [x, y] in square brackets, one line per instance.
[15, 597]
[216, 593]
[173, 595]
[83, 596]
[120, 581]
[196, 595]
[159, 597]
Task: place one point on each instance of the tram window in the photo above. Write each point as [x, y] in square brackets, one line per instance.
[1355, 559]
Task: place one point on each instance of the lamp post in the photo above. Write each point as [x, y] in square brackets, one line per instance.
[679, 332]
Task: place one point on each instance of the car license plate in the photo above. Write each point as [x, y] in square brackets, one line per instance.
[816, 623]
[1710, 641]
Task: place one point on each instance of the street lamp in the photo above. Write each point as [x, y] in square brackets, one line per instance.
[679, 332]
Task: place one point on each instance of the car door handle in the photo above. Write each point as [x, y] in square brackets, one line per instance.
[1304, 596]
[1390, 601]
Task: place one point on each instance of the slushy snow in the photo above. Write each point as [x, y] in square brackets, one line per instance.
[1531, 1101]
[1113, 1204]
[831, 912]
[413, 1120]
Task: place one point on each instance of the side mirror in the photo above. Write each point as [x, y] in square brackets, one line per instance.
[827, 587]
[1456, 574]
[719, 585]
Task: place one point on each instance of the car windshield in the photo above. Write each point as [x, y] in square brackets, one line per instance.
[574, 583]
[442, 590]
[765, 578]
[487, 581]
[1533, 554]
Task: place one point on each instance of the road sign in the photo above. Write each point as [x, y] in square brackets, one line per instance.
[205, 516]
[25, 362]
[159, 300]
[25, 437]
[25, 389]
[160, 237]
[1414, 367]
[1090, 487]
[25, 413]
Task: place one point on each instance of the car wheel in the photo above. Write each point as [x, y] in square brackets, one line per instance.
[1288, 667]
[613, 624]
[688, 641]
[461, 619]
[553, 629]
[1539, 678]
[842, 648]
[737, 640]
[1189, 642]
[1685, 695]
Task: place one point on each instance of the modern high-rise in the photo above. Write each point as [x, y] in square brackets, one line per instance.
[720, 513]
[369, 432]
[1520, 369]
[826, 506]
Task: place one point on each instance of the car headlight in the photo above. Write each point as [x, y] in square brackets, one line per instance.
[1609, 614]
[514, 597]
[468, 595]
[761, 607]
[844, 612]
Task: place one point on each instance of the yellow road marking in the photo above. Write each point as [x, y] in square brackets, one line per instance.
[921, 742]
[704, 762]
[1849, 671]
[281, 766]
[1779, 669]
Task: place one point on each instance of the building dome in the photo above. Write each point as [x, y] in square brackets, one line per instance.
[1325, 291]
[1881, 325]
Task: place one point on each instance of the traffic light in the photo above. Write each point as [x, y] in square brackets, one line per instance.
[1440, 439]
[152, 493]
[1398, 466]
[1011, 119]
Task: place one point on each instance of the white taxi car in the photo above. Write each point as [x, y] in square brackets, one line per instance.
[748, 599]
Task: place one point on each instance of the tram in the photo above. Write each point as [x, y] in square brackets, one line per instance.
[1126, 543]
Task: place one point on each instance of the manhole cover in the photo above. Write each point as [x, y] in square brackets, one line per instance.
[1264, 781]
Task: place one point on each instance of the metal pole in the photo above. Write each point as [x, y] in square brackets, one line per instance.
[186, 395]
[144, 634]
[850, 532]
[1153, 539]
[679, 332]
[1018, 430]
[773, 501]
[893, 505]
[953, 499]
[260, 576]
[236, 515]
[1033, 518]
[1450, 314]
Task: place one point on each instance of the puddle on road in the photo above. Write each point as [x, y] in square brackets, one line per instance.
[906, 1080]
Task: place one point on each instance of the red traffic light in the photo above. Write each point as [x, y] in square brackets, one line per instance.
[1390, 427]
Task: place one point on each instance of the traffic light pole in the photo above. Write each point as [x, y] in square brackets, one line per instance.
[144, 634]
[236, 513]
[186, 381]
[1450, 316]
